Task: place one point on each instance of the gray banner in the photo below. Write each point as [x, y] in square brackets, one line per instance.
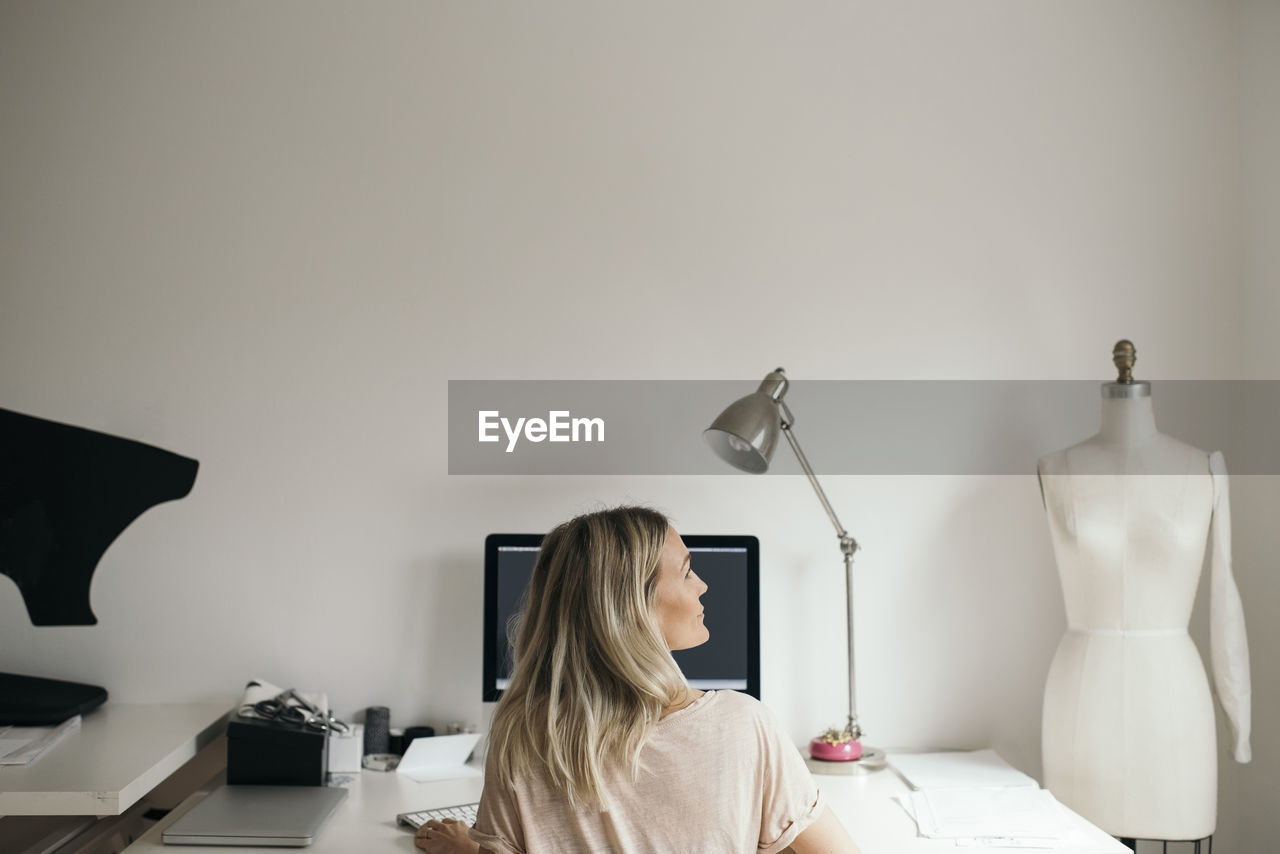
[654, 427]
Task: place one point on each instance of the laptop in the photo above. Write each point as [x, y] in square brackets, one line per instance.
[284, 816]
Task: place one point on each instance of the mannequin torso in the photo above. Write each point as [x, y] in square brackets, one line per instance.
[1128, 727]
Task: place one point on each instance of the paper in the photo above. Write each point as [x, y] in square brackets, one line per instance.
[908, 804]
[1009, 842]
[967, 769]
[24, 745]
[955, 813]
[441, 757]
[976, 799]
[11, 745]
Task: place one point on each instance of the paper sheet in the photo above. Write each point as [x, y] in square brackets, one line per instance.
[954, 813]
[441, 757]
[967, 769]
[24, 745]
[976, 799]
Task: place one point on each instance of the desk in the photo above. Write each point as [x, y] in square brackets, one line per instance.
[880, 826]
[366, 821]
[120, 753]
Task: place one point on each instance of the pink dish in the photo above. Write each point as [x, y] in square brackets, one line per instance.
[841, 751]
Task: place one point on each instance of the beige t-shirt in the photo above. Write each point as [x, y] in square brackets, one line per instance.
[717, 777]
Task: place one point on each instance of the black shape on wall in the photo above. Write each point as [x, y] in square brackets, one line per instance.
[66, 493]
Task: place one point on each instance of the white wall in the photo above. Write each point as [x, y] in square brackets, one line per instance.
[265, 236]
[1249, 793]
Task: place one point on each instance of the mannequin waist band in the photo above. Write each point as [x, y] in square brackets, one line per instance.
[1127, 633]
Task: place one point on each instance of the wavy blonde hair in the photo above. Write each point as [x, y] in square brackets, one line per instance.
[592, 672]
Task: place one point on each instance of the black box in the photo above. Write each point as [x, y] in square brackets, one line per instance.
[267, 753]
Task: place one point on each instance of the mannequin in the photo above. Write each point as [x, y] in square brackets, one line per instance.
[1129, 739]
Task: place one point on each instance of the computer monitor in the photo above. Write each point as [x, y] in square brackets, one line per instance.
[730, 566]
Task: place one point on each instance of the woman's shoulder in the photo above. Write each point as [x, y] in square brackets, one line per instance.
[740, 719]
[738, 701]
[736, 706]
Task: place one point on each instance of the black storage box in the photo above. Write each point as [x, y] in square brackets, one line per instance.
[267, 753]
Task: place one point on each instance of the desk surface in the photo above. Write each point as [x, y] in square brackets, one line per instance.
[880, 826]
[366, 820]
[120, 753]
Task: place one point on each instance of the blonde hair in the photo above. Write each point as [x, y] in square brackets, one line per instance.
[592, 672]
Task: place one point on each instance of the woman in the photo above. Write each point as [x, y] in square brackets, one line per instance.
[599, 744]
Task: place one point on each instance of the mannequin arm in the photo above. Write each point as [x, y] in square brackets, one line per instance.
[1228, 643]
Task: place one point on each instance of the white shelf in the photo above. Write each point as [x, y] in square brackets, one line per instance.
[121, 752]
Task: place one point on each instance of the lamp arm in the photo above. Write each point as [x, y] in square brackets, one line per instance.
[848, 546]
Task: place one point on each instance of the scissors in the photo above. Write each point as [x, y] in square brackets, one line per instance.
[289, 707]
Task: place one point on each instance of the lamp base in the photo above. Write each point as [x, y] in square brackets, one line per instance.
[872, 759]
[845, 750]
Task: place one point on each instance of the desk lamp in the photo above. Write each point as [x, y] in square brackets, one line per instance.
[745, 436]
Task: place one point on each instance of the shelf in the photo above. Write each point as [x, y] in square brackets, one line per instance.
[120, 753]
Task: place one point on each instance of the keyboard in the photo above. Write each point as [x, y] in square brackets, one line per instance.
[465, 813]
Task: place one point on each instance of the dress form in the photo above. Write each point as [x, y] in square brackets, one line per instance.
[1129, 739]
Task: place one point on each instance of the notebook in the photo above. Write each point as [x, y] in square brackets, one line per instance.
[285, 816]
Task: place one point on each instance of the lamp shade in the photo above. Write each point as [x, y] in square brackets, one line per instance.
[746, 433]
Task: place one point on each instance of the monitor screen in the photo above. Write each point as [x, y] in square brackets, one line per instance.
[730, 566]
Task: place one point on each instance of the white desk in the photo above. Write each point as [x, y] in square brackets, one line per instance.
[366, 820]
[880, 826]
[121, 752]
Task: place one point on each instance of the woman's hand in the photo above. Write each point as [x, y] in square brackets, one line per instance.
[445, 837]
